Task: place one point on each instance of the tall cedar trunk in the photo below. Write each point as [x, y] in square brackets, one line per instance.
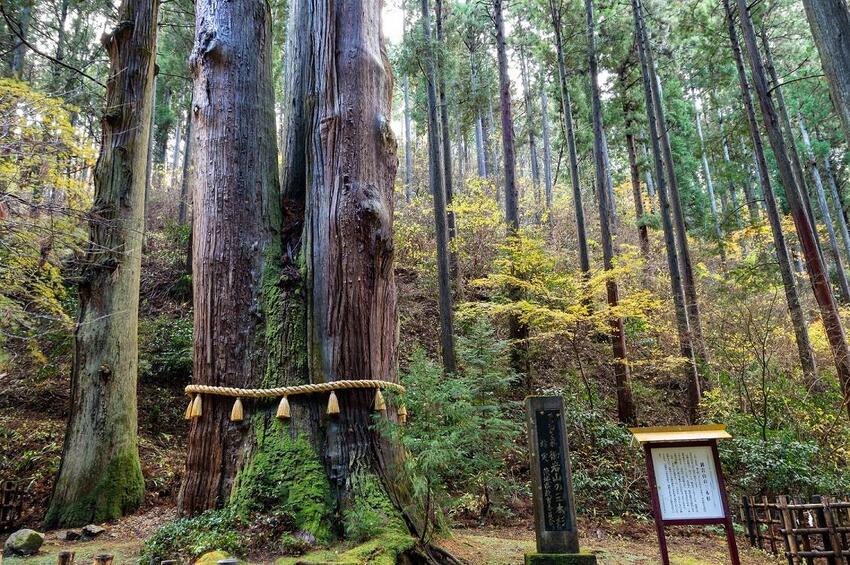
[836, 204]
[175, 152]
[481, 158]
[625, 404]
[634, 172]
[445, 138]
[408, 152]
[529, 118]
[20, 50]
[730, 184]
[792, 297]
[631, 148]
[805, 233]
[826, 216]
[682, 321]
[517, 329]
[236, 225]
[688, 282]
[100, 477]
[547, 147]
[788, 130]
[187, 165]
[709, 184]
[650, 183]
[149, 164]
[566, 108]
[830, 24]
[351, 167]
[447, 339]
[59, 54]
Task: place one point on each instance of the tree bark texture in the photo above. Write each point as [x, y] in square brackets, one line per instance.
[805, 231]
[830, 24]
[100, 477]
[547, 147]
[709, 184]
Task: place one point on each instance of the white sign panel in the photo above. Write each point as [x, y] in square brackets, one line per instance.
[687, 483]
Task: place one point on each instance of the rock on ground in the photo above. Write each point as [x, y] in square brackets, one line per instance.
[23, 542]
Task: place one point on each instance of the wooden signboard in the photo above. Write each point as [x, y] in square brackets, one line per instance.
[551, 480]
[686, 481]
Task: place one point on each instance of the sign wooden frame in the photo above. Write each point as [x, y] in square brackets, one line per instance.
[655, 440]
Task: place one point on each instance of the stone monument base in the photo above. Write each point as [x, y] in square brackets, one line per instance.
[560, 559]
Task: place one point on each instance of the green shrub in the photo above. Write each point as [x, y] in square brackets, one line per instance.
[188, 538]
[461, 431]
[165, 348]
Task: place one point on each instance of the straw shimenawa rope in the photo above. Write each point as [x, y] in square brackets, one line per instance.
[292, 390]
[195, 408]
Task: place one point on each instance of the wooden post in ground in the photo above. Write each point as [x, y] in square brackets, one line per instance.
[103, 559]
[65, 558]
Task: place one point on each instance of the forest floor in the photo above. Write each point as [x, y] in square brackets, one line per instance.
[614, 543]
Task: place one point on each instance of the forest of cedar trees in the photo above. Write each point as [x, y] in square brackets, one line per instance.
[639, 206]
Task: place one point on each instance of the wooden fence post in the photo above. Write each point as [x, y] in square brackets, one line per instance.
[103, 559]
[791, 548]
[65, 558]
[748, 520]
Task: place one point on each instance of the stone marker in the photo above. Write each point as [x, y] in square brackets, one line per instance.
[23, 542]
[69, 535]
[552, 485]
[92, 530]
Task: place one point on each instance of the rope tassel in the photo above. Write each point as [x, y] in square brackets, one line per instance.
[188, 414]
[333, 404]
[197, 407]
[380, 403]
[402, 414]
[283, 409]
[237, 414]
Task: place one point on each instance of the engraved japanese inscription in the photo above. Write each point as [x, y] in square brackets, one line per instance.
[553, 471]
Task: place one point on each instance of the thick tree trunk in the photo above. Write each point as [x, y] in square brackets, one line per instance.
[709, 184]
[625, 404]
[235, 236]
[650, 183]
[805, 232]
[682, 321]
[792, 297]
[826, 216]
[688, 282]
[100, 477]
[566, 108]
[830, 24]
[547, 147]
[408, 153]
[447, 339]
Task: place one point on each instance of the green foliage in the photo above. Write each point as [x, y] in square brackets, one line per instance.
[165, 348]
[187, 538]
[607, 471]
[461, 430]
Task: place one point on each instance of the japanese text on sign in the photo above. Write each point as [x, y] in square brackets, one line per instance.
[687, 483]
[553, 471]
